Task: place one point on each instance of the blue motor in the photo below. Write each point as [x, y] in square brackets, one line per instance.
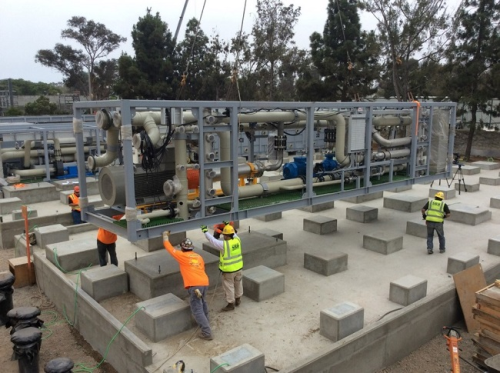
[298, 167]
[330, 164]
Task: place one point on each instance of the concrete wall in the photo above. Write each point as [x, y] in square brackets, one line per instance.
[127, 353]
[392, 338]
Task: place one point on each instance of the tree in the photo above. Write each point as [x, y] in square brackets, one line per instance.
[408, 30]
[474, 55]
[153, 72]
[42, 106]
[26, 88]
[97, 41]
[106, 73]
[345, 57]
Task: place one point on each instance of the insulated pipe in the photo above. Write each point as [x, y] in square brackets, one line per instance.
[151, 129]
[33, 172]
[155, 214]
[389, 143]
[340, 143]
[15, 154]
[111, 151]
[390, 154]
[322, 183]
[181, 173]
[27, 151]
[391, 121]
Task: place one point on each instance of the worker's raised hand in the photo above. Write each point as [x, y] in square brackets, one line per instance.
[204, 228]
[226, 222]
[166, 235]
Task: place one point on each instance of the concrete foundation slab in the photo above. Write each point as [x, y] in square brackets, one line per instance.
[104, 282]
[404, 202]
[417, 228]
[341, 321]
[319, 207]
[163, 317]
[461, 261]
[51, 234]
[156, 243]
[494, 246]
[7, 205]
[470, 215]
[407, 290]
[489, 180]
[242, 359]
[270, 217]
[325, 261]
[65, 185]
[72, 255]
[467, 170]
[258, 249]
[32, 193]
[319, 224]
[261, 283]
[270, 232]
[495, 202]
[365, 197]
[469, 187]
[485, 165]
[383, 242]
[18, 214]
[361, 213]
[158, 274]
[448, 192]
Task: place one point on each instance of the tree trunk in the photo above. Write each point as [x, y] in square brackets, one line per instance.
[472, 129]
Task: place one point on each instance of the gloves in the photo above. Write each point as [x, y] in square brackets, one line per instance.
[226, 222]
[166, 235]
[204, 228]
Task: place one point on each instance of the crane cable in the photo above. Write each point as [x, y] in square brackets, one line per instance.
[234, 77]
[186, 71]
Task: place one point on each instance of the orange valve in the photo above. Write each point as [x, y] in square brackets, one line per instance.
[193, 177]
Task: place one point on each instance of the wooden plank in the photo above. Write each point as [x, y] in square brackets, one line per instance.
[488, 308]
[467, 283]
[486, 323]
[490, 295]
[489, 334]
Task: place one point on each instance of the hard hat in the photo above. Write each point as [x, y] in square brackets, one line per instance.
[228, 229]
[187, 244]
[76, 189]
[439, 195]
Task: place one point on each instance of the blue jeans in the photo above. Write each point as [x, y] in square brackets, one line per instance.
[438, 227]
[199, 308]
[77, 217]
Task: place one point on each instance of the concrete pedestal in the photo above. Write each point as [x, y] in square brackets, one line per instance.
[417, 228]
[73, 255]
[156, 243]
[7, 205]
[261, 283]
[469, 187]
[270, 233]
[361, 213]
[319, 224]
[325, 261]
[489, 180]
[270, 217]
[104, 282]
[495, 202]
[466, 170]
[32, 193]
[404, 202]
[18, 214]
[51, 234]
[365, 197]
[341, 321]
[448, 192]
[318, 207]
[407, 290]
[383, 242]
[494, 246]
[485, 165]
[242, 359]
[470, 215]
[461, 261]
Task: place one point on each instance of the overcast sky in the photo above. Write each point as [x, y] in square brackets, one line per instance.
[27, 26]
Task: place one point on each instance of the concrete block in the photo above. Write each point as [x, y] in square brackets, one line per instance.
[7, 205]
[404, 202]
[469, 187]
[270, 232]
[489, 180]
[319, 224]
[72, 255]
[325, 261]
[32, 193]
[341, 321]
[407, 290]
[94, 200]
[448, 192]
[156, 243]
[361, 213]
[242, 359]
[400, 189]
[258, 250]
[365, 197]
[417, 228]
[383, 242]
[68, 185]
[18, 215]
[51, 234]
[163, 317]
[484, 165]
[495, 202]
[467, 170]
[270, 217]
[461, 261]
[104, 282]
[261, 283]
[494, 246]
[63, 196]
[470, 215]
[319, 207]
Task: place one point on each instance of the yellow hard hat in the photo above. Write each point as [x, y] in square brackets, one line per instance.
[228, 229]
[439, 195]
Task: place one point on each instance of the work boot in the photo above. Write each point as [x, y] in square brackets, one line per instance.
[205, 337]
[229, 307]
[429, 251]
[441, 251]
[237, 302]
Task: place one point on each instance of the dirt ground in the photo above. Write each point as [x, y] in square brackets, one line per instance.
[61, 340]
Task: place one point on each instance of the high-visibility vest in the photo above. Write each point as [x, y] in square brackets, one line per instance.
[105, 236]
[435, 211]
[75, 199]
[231, 259]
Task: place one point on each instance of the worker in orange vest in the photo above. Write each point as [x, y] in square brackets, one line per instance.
[106, 243]
[74, 202]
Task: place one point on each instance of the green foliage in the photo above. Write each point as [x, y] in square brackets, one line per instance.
[26, 88]
[42, 106]
[13, 112]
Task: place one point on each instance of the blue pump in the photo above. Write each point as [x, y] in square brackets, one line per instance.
[298, 167]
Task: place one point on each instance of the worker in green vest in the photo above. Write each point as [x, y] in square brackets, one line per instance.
[230, 264]
[434, 212]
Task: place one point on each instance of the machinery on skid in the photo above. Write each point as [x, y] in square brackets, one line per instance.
[183, 162]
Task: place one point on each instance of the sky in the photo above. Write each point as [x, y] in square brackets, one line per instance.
[27, 26]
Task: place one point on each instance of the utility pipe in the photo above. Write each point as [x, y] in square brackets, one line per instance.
[111, 151]
[151, 129]
[181, 173]
[389, 143]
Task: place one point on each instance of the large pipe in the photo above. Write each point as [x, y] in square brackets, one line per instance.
[111, 151]
[149, 124]
[33, 172]
[181, 172]
[390, 143]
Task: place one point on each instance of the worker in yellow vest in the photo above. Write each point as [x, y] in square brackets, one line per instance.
[434, 212]
[230, 264]
[74, 202]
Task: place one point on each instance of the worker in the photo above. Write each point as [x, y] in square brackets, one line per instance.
[219, 227]
[230, 264]
[74, 202]
[195, 279]
[434, 212]
[106, 243]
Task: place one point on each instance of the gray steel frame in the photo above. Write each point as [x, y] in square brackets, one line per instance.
[127, 109]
